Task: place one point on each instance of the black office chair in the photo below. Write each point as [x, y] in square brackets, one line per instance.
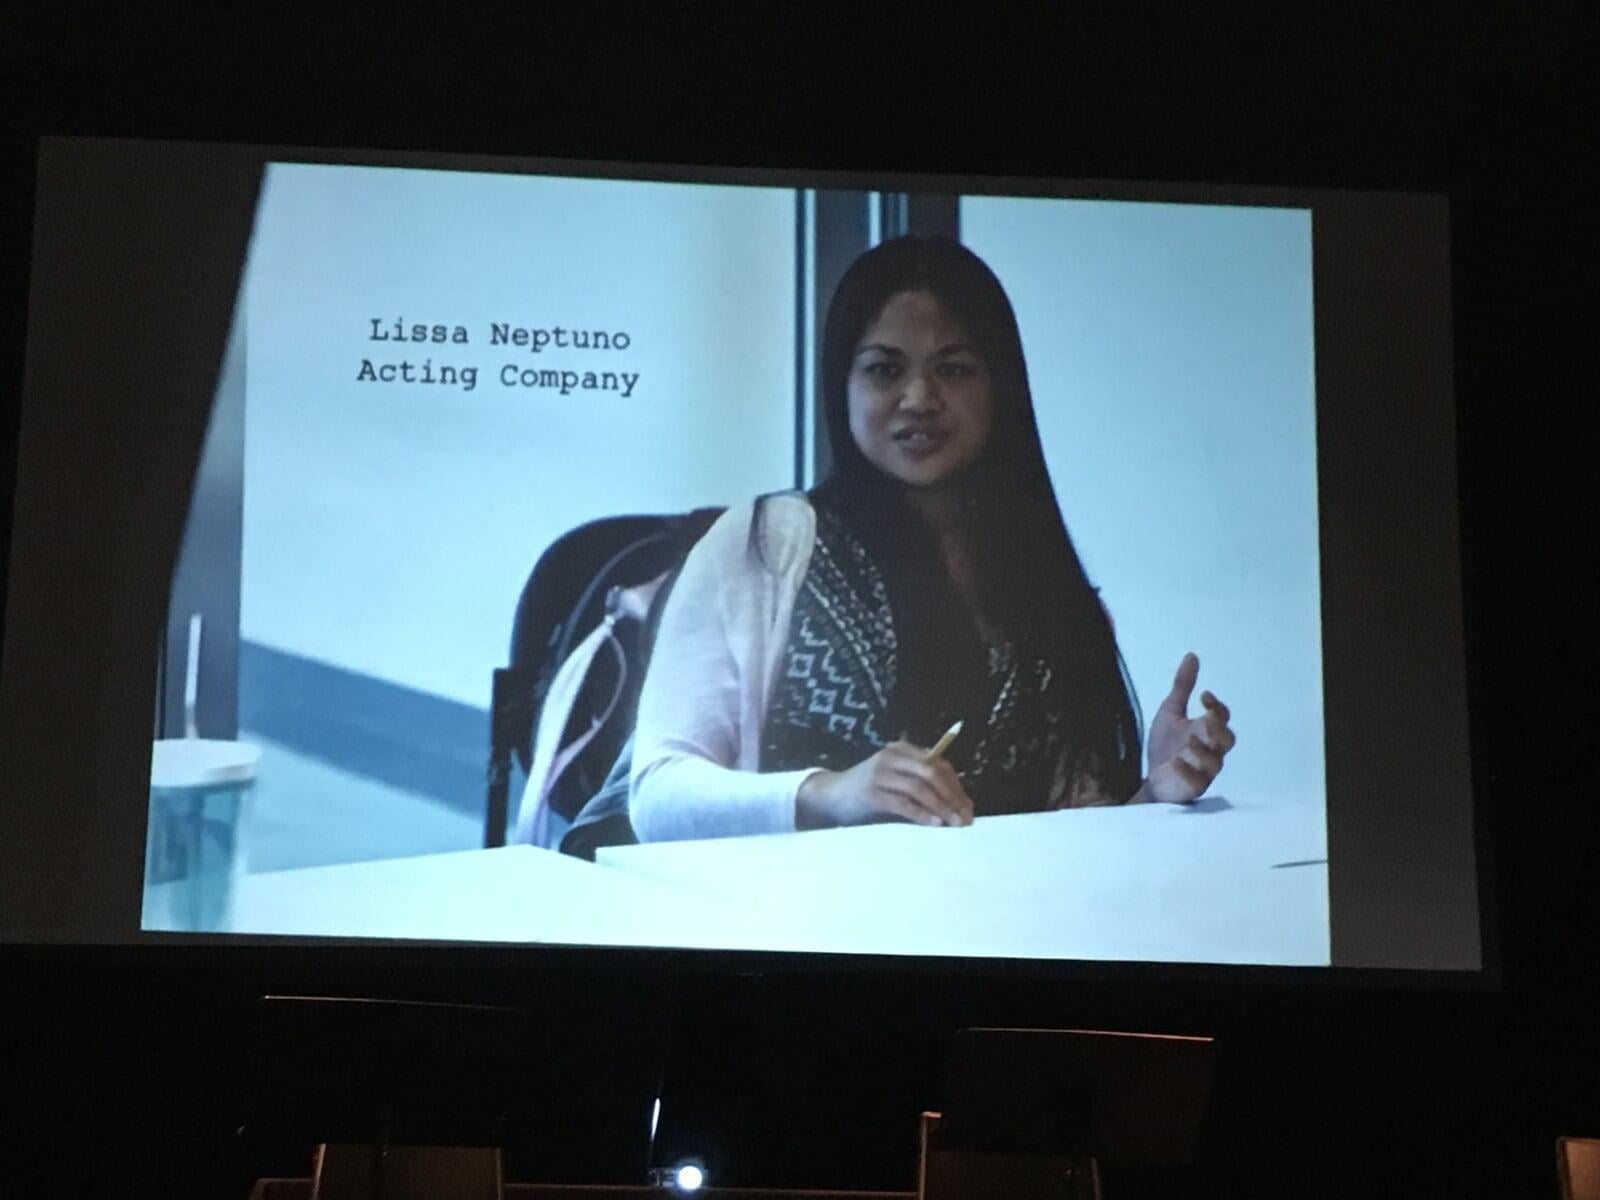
[564, 599]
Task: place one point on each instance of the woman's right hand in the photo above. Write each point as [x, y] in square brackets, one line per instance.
[897, 781]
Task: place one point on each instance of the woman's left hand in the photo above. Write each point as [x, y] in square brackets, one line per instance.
[1186, 753]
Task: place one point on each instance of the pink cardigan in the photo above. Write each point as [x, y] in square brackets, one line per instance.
[716, 659]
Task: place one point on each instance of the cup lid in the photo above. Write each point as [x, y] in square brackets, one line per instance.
[202, 762]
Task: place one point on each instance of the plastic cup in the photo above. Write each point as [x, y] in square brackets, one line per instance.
[199, 789]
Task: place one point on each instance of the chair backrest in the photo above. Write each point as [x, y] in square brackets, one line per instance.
[1578, 1168]
[564, 599]
[343, 1172]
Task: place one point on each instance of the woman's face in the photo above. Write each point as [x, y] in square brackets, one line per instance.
[919, 394]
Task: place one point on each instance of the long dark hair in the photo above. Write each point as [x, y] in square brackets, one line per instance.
[1031, 583]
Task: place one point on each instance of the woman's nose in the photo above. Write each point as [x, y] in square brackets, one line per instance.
[921, 395]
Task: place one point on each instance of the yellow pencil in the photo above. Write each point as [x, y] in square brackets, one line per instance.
[943, 743]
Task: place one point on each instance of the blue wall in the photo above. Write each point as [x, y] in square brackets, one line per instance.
[389, 527]
[1170, 349]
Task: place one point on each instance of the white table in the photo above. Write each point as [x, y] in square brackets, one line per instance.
[1149, 883]
[1155, 883]
[511, 894]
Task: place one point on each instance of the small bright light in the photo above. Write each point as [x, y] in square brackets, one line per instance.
[655, 1118]
[689, 1178]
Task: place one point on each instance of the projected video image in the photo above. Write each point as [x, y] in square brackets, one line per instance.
[605, 562]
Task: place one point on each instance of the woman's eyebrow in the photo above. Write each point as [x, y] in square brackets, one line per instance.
[942, 352]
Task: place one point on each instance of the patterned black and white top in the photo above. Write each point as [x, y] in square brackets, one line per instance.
[831, 701]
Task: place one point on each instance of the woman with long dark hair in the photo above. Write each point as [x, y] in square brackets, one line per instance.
[815, 645]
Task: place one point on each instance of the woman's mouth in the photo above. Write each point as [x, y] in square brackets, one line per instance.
[920, 441]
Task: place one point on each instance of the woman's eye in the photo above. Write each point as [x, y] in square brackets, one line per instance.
[957, 370]
[882, 371]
